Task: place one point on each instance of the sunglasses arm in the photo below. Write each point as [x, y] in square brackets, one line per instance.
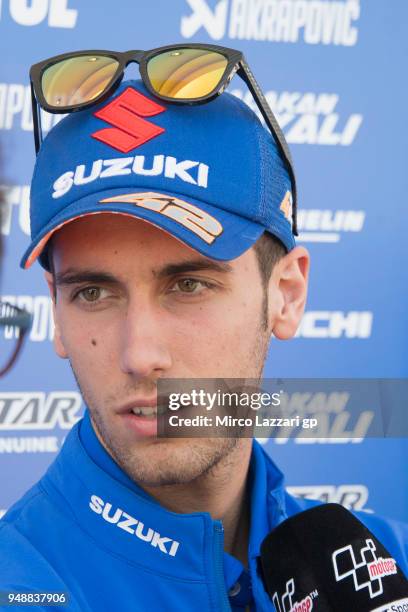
[36, 121]
[23, 320]
[15, 354]
[246, 74]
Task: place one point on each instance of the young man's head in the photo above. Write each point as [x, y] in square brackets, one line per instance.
[173, 261]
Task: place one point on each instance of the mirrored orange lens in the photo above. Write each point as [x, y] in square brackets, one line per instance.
[77, 80]
[186, 73]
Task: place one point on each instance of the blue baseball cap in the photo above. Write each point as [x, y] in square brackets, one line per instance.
[210, 175]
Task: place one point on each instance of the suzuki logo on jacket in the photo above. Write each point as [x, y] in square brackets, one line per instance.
[128, 523]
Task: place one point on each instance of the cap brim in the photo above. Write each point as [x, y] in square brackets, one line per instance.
[213, 232]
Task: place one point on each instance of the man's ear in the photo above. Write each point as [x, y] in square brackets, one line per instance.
[58, 342]
[288, 292]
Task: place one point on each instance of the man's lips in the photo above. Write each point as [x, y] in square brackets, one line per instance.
[147, 405]
[138, 403]
[141, 415]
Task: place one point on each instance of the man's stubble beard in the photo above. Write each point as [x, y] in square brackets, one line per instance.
[178, 460]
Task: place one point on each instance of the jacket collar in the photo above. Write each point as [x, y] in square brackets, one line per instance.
[267, 497]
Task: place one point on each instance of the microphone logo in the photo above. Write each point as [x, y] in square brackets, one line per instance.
[285, 602]
[367, 572]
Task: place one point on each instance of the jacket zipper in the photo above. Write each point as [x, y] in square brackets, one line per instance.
[218, 549]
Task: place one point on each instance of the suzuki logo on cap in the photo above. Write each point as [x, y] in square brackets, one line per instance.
[126, 114]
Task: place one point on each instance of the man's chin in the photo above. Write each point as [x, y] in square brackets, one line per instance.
[172, 461]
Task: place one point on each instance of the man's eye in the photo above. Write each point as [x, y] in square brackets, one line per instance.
[190, 285]
[90, 294]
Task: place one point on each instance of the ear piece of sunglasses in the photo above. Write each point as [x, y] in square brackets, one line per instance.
[14, 326]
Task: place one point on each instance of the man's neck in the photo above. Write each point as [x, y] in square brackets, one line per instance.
[223, 492]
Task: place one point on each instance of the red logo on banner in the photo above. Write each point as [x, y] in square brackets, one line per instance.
[125, 114]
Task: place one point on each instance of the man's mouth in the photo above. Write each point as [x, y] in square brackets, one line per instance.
[149, 411]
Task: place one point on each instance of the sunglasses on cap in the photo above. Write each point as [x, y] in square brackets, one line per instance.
[178, 74]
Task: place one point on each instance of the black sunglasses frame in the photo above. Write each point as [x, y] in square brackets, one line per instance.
[17, 317]
[236, 63]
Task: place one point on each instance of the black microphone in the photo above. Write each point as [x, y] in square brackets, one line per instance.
[325, 559]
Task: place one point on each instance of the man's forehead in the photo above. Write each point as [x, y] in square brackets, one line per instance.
[108, 233]
[114, 226]
[110, 243]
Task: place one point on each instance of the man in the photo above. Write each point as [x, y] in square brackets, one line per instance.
[174, 260]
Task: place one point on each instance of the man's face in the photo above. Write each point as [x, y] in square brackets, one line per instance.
[135, 304]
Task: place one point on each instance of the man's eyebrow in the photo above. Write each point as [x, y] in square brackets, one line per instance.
[194, 265]
[73, 277]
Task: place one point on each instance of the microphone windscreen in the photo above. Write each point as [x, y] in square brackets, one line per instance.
[325, 559]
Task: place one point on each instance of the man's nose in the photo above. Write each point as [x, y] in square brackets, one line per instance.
[144, 351]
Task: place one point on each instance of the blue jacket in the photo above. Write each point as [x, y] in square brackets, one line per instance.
[81, 531]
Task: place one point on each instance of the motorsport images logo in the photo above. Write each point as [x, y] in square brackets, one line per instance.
[285, 603]
[325, 22]
[56, 13]
[363, 568]
[35, 412]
